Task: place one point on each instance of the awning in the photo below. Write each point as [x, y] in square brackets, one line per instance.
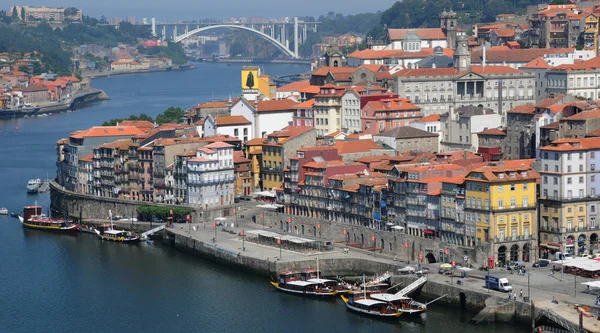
[549, 246]
[412, 225]
[428, 232]
[397, 227]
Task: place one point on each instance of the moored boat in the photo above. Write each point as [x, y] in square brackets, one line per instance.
[370, 307]
[108, 232]
[306, 283]
[3, 211]
[33, 218]
[401, 303]
[33, 185]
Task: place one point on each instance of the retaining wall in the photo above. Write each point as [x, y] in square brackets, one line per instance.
[390, 243]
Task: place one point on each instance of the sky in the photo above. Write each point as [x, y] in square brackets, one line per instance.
[172, 10]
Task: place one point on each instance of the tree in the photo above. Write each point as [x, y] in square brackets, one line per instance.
[171, 115]
[24, 69]
[560, 2]
[103, 20]
[23, 13]
[15, 15]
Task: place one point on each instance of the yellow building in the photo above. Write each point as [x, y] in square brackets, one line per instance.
[590, 33]
[253, 151]
[253, 79]
[500, 201]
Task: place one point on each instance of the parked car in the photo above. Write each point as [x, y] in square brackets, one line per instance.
[515, 265]
[541, 263]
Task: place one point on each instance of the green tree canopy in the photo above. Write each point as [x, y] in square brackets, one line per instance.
[171, 115]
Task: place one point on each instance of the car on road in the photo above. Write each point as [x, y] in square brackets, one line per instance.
[515, 265]
[541, 263]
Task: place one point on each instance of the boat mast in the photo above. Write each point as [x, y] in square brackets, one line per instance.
[317, 268]
[364, 287]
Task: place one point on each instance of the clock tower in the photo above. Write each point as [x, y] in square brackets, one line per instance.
[462, 55]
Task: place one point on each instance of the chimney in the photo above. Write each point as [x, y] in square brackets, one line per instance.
[466, 154]
[483, 61]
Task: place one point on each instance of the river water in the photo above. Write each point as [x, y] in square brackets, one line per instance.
[61, 283]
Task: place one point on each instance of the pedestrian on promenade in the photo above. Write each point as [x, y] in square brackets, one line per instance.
[521, 293]
[395, 258]
[509, 296]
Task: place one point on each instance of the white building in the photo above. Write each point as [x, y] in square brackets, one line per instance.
[430, 124]
[237, 126]
[266, 116]
[582, 80]
[210, 176]
[351, 111]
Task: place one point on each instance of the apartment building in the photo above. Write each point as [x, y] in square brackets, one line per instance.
[568, 197]
[210, 181]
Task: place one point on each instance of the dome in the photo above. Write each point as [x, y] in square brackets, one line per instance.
[444, 14]
[451, 13]
[438, 50]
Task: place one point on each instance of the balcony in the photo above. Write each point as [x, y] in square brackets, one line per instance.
[211, 181]
[570, 199]
[514, 239]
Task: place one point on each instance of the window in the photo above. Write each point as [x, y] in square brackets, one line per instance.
[592, 167]
[500, 188]
[513, 202]
[569, 180]
[569, 168]
[593, 154]
[525, 186]
[545, 180]
[525, 201]
[236, 132]
[500, 203]
[512, 187]
[555, 180]
[580, 156]
[581, 180]
[556, 168]
[581, 193]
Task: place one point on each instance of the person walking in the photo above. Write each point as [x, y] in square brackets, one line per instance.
[521, 292]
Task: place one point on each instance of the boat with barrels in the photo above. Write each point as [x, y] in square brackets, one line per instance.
[35, 219]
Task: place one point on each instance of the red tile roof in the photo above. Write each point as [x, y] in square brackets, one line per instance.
[537, 63]
[306, 104]
[524, 108]
[515, 55]
[397, 54]
[355, 146]
[219, 144]
[276, 105]
[141, 124]
[494, 70]
[430, 118]
[87, 158]
[493, 131]
[299, 86]
[423, 33]
[427, 72]
[99, 131]
[504, 32]
[238, 157]
[232, 120]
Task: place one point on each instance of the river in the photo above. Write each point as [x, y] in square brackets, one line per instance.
[62, 283]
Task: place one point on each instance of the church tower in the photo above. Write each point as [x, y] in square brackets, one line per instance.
[462, 55]
[448, 25]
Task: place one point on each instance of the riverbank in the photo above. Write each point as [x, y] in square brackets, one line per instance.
[138, 71]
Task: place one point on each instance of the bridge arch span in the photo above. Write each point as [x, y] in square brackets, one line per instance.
[273, 41]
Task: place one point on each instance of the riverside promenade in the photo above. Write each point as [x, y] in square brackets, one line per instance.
[229, 248]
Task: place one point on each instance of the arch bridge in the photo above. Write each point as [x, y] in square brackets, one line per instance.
[277, 33]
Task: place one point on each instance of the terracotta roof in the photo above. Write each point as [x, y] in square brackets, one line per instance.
[554, 125]
[423, 33]
[232, 120]
[141, 124]
[515, 55]
[504, 32]
[524, 108]
[256, 142]
[593, 114]
[98, 131]
[390, 104]
[212, 105]
[238, 157]
[537, 63]
[275, 105]
[198, 159]
[323, 71]
[187, 154]
[493, 131]
[573, 144]
[87, 158]
[407, 132]
[371, 159]
[299, 86]
[355, 146]
[306, 104]
[333, 134]
[199, 122]
[217, 145]
[117, 144]
[34, 88]
[430, 118]
[396, 54]
[289, 132]
[427, 72]
[494, 70]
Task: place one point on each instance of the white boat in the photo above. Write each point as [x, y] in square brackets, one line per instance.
[366, 304]
[3, 211]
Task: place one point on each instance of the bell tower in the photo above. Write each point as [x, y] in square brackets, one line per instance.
[462, 55]
[448, 24]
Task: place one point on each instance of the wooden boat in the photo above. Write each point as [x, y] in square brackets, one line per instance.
[401, 303]
[108, 232]
[370, 307]
[306, 283]
[33, 218]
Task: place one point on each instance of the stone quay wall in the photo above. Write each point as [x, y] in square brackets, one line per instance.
[386, 242]
[84, 206]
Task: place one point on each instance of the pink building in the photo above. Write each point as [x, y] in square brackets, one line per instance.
[386, 114]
